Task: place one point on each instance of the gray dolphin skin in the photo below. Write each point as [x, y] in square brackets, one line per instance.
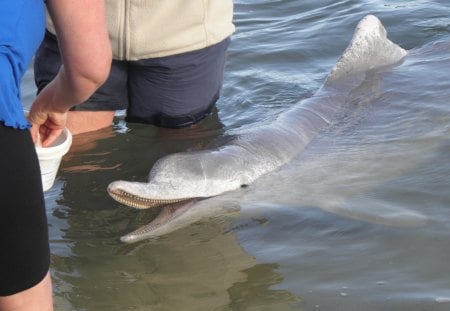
[186, 180]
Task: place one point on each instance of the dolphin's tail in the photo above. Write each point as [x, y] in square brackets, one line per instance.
[369, 49]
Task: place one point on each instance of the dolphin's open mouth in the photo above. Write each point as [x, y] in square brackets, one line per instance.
[139, 202]
[168, 214]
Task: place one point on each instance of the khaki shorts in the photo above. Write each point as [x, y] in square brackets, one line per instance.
[173, 91]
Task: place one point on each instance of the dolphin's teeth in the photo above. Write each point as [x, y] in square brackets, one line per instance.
[139, 202]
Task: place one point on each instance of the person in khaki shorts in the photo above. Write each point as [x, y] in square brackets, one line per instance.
[169, 59]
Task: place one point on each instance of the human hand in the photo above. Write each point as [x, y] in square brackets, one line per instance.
[47, 119]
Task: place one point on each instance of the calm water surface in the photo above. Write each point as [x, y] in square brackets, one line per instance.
[359, 221]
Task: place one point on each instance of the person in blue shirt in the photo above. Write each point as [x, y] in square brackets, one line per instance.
[25, 282]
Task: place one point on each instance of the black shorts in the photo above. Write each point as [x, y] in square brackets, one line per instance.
[172, 91]
[24, 248]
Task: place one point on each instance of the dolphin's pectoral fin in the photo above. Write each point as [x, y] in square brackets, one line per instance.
[139, 202]
[167, 214]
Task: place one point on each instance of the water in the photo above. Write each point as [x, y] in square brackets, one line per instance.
[359, 221]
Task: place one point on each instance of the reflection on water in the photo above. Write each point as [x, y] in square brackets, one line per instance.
[359, 221]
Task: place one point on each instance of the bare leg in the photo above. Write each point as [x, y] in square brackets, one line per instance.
[37, 298]
[86, 121]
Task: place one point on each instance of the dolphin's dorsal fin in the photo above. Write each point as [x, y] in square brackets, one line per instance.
[369, 49]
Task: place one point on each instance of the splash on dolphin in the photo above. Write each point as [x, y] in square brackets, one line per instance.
[182, 177]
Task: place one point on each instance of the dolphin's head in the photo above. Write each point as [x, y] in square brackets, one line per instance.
[176, 178]
[172, 179]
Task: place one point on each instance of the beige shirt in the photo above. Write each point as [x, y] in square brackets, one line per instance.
[140, 29]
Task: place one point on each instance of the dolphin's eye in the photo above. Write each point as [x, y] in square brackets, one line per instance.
[244, 186]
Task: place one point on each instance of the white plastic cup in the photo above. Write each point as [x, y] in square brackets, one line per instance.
[50, 158]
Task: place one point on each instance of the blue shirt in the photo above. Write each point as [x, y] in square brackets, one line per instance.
[22, 25]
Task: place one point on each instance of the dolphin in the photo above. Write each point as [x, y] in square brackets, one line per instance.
[182, 181]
